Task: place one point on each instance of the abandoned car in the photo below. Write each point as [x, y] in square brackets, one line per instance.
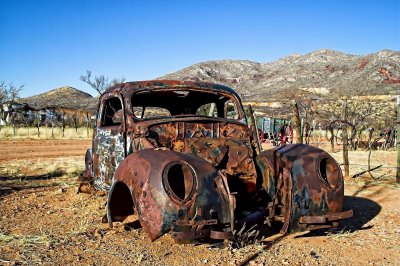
[182, 156]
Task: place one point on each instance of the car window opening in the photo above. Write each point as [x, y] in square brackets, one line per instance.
[110, 108]
[160, 103]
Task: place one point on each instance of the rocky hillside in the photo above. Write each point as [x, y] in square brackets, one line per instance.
[319, 77]
[63, 97]
[324, 72]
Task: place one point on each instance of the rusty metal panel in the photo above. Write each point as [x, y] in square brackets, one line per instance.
[204, 205]
[109, 144]
[303, 182]
[108, 153]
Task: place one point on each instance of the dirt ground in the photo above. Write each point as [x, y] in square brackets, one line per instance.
[12, 150]
[44, 221]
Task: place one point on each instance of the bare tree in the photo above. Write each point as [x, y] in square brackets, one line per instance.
[99, 83]
[3, 93]
[9, 93]
[3, 97]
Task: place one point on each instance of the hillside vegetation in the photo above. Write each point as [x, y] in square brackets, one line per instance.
[67, 97]
[321, 72]
[317, 80]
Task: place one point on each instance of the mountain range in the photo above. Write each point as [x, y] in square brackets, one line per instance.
[323, 74]
[320, 72]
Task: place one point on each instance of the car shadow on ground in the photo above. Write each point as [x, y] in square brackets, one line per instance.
[10, 184]
[364, 210]
[50, 175]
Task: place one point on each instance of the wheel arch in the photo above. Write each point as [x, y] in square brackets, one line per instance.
[120, 202]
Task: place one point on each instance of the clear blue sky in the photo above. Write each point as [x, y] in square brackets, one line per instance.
[49, 44]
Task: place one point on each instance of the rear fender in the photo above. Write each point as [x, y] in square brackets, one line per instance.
[305, 185]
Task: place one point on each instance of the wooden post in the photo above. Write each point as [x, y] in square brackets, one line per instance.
[13, 123]
[255, 130]
[370, 131]
[52, 126]
[398, 140]
[319, 134]
[87, 124]
[75, 117]
[275, 141]
[312, 132]
[344, 135]
[332, 139]
[297, 138]
[62, 123]
[305, 129]
[38, 125]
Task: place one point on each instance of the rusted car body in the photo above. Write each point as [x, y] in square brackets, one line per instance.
[182, 156]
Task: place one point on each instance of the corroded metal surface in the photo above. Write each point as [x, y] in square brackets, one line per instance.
[191, 167]
[304, 182]
[164, 202]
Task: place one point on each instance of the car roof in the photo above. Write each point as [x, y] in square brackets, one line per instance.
[168, 84]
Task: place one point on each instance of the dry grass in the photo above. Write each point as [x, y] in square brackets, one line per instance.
[30, 246]
[342, 233]
[63, 171]
[45, 133]
[44, 176]
[25, 241]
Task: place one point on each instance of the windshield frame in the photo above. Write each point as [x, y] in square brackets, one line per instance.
[163, 98]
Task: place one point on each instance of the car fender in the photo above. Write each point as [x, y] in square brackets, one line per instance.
[305, 185]
[171, 191]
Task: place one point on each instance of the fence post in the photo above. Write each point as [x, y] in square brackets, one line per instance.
[87, 124]
[52, 126]
[297, 138]
[13, 123]
[370, 132]
[319, 134]
[255, 130]
[63, 123]
[344, 135]
[38, 125]
[398, 140]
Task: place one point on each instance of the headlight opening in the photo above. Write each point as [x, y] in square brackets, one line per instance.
[179, 181]
[330, 172]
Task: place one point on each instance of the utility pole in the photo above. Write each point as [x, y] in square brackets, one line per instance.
[398, 140]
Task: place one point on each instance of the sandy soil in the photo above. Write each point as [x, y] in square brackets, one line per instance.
[44, 221]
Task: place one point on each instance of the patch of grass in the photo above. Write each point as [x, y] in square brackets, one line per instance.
[26, 241]
[29, 248]
[82, 225]
[44, 172]
[68, 165]
[335, 234]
